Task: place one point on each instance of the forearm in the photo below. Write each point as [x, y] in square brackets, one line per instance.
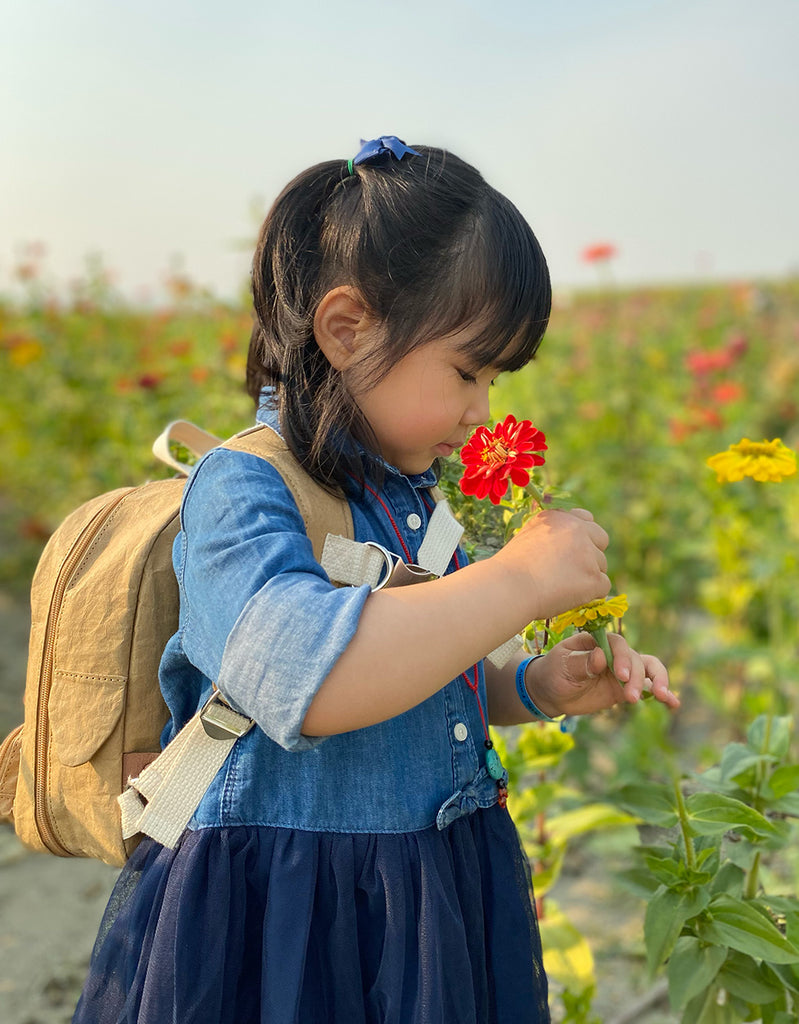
[411, 641]
[504, 705]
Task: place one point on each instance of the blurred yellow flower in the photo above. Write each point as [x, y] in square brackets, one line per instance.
[593, 613]
[766, 461]
[25, 352]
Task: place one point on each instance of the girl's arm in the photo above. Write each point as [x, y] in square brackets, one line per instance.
[573, 679]
[413, 640]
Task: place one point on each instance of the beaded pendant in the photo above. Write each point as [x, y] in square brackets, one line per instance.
[493, 763]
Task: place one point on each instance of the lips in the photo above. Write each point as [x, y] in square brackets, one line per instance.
[446, 448]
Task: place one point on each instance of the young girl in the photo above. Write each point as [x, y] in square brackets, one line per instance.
[353, 860]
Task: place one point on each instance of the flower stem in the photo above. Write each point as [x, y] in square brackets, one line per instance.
[535, 493]
[685, 828]
[601, 636]
[751, 878]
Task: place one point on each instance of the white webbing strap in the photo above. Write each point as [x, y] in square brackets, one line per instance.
[442, 537]
[352, 563]
[160, 802]
[191, 437]
[501, 655]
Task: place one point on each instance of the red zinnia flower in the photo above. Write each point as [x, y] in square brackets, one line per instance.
[492, 457]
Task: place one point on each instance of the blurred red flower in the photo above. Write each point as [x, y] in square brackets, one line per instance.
[599, 252]
[728, 391]
[702, 363]
[737, 345]
[493, 457]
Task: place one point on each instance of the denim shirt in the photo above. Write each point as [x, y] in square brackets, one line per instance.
[259, 616]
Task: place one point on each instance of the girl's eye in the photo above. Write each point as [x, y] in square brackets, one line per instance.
[468, 377]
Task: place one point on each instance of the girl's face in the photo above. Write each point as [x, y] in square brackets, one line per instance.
[428, 403]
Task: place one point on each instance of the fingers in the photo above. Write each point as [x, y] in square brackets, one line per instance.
[597, 534]
[658, 678]
[640, 673]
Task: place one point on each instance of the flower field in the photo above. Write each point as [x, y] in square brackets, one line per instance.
[635, 392]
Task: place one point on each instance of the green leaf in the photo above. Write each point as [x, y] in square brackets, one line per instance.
[712, 813]
[730, 879]
[786, 908]
[788, 975]
[703, 1009]
[655, 804]
[788, 804]
[692, 967]
[567, 955]
[562, 827]
[666, 869]
[743, 977]
[784, 780]
[639, 881]
[770, 734]
[666, 914]
[738, 759]
[740, 925]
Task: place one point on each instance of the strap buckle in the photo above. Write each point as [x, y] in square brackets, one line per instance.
[396, 572]
[221, 722]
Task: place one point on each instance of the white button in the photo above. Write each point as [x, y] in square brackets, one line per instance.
[460, 731]
[414, 521]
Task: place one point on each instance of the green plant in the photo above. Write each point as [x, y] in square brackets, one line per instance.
[550, 815]
[731, 947]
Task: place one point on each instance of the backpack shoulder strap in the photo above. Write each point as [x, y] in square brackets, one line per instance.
[322, 512]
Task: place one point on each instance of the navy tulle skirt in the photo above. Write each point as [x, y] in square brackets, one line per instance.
[254, 925]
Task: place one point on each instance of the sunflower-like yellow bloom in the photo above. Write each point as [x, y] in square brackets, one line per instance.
[595, 613]
[765, 461]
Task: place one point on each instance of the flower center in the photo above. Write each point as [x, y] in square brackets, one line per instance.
[756, 448]
[496, 454]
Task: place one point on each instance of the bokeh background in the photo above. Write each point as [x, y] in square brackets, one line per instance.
[653, 148]
[144, 132]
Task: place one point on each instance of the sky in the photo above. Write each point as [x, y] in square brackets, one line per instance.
[154, 134]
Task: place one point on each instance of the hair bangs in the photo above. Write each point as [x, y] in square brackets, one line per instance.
[497, 280]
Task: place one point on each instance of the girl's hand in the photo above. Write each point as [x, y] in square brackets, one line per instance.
[573, 678]
[561, 557]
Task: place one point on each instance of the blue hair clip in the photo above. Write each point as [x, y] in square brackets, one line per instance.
[378, 151]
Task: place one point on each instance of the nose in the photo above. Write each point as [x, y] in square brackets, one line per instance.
[478, 410]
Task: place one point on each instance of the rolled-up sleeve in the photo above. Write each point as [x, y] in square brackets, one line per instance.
[259, 615]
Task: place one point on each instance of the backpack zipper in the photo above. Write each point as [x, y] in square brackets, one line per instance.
[41, 805]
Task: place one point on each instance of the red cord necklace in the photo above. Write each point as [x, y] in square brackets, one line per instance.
[493, 763]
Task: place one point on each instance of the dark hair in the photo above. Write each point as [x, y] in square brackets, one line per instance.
[430, 248]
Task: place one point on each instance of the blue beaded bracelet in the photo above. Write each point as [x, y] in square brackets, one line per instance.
[524, 696]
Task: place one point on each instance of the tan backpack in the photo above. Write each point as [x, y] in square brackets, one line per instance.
[104, 602]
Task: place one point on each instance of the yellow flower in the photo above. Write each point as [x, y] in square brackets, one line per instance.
[594, 613]
[764, 460]
[25, 352]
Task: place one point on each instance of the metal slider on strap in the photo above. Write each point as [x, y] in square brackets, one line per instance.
[221, 722]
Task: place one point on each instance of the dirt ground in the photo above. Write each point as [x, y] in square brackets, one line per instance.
[50, 908]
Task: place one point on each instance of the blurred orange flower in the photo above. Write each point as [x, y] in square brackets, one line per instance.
[728, 391]
[599, 252]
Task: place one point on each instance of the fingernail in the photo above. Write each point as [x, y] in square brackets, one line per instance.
[623, 674]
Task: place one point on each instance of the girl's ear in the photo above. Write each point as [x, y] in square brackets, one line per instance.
[342, 326]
